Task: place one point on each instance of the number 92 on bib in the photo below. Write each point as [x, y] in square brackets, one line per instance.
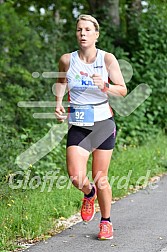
[81, 115]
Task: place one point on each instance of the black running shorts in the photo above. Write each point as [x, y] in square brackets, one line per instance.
[101, 135]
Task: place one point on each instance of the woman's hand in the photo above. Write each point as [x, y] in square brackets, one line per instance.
[97, 80]
[59, 111]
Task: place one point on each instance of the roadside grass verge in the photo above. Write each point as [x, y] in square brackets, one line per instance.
[31, 213]
[132, 168]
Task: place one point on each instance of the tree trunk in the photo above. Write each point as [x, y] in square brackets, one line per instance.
[108, 9]
[137, 6]
[114, 12]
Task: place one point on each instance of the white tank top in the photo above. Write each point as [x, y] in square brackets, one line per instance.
[82, 90]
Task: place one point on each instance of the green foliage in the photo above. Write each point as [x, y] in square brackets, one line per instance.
[23, 52]
[146, 52]
[150, 63]
[33, 42]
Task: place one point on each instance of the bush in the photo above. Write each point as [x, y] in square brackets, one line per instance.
[145, 50]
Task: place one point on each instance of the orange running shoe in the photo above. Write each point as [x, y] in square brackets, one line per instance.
[106, 230]
[88, 207]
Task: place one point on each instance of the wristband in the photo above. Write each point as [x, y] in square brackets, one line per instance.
[106, 87]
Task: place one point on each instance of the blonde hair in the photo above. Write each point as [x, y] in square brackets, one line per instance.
[89, 18]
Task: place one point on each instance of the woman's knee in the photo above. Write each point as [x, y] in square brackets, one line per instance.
[79, 181]
[101, 180]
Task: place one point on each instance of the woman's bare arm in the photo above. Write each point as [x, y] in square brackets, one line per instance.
[61, 86]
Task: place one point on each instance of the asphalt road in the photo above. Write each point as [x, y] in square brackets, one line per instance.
[139, 221]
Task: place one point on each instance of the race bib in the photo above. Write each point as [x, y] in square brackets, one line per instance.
[81, 115]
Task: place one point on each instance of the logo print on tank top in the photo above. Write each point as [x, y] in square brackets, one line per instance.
[83, 81]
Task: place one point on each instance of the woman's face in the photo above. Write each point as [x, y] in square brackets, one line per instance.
[86, 33]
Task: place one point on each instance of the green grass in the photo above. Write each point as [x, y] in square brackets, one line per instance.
[30, 213]
[141, 163]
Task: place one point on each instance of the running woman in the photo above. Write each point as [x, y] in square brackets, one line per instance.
[91, 124]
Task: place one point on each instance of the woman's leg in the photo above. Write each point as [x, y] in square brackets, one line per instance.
[100, 165]
[77, 158]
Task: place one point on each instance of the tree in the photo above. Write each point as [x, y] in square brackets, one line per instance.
[106, 8]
